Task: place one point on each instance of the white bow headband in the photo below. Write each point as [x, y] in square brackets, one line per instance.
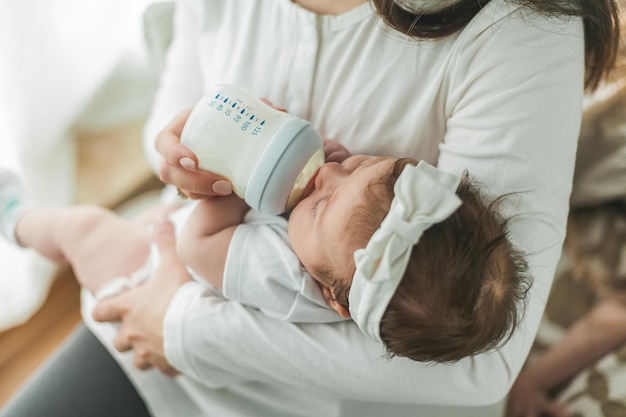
[424, 195]
[425, 6]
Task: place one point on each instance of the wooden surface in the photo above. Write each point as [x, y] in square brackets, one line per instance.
[111, 168]
[25, 347]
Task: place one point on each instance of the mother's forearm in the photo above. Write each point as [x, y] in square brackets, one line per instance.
[204, 331]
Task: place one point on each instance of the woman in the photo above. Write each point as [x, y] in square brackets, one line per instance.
[492, 87]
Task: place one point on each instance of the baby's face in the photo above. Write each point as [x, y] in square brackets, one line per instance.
[317, 224]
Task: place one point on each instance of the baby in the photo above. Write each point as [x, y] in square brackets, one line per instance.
[413, 254]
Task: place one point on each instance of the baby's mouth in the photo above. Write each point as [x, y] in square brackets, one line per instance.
[310, 186]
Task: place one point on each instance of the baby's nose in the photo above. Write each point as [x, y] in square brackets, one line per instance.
[328, 175]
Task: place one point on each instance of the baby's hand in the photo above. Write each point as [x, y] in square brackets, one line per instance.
[334, 151]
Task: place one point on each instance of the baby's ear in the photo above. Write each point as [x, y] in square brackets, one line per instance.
[333, 303]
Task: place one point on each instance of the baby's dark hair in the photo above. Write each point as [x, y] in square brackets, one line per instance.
[465, 287]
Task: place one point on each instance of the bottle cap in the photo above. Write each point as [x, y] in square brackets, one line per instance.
[280, 165]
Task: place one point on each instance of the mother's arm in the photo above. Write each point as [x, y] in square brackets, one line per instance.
[515, 128]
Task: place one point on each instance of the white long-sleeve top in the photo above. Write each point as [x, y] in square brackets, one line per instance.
[263, 271]
[501, 99]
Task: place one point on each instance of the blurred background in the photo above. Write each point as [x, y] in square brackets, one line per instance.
[76, 84]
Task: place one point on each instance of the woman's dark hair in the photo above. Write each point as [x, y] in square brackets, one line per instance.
[600, 20]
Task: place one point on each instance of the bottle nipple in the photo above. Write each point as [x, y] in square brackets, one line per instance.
[316, 161]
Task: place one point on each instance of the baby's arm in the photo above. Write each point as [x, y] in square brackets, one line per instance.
[204, 239]
[596, 334]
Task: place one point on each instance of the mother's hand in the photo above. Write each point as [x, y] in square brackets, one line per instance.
[180, 164]
[141, 310]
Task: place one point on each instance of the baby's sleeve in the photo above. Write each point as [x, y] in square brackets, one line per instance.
[262, 271]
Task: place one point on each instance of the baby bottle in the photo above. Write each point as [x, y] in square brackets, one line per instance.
[268, 155]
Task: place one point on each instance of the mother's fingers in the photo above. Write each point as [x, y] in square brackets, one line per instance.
[122, 343]
[180, 165]
[111, 309]
[142, 360]
[194, 183]
[162, 365]
[167, 143]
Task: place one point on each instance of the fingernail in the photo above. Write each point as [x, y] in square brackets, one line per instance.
[187, 163]
[222, 187]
